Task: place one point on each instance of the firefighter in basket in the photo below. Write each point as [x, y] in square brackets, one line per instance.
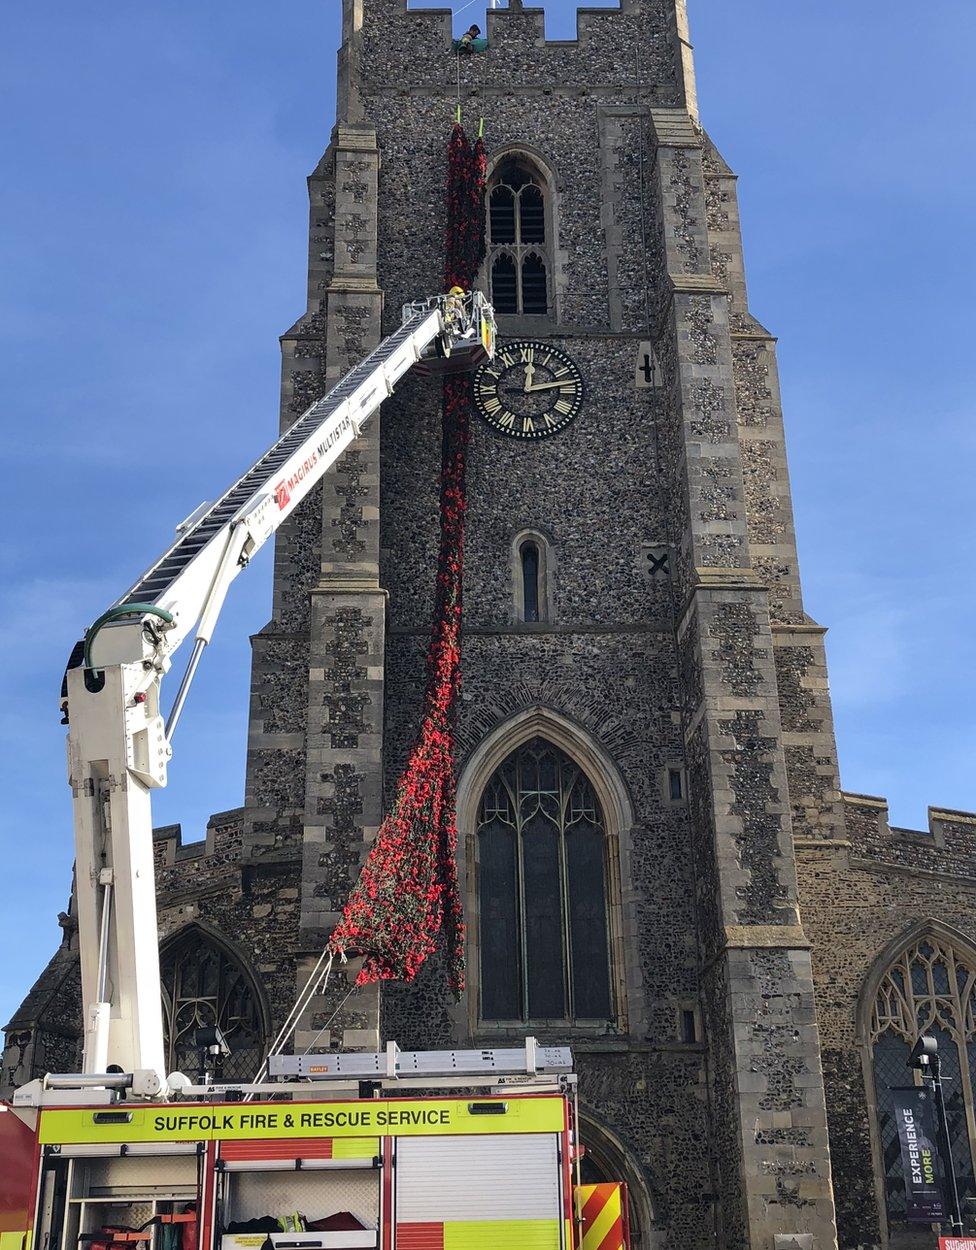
[454, 310]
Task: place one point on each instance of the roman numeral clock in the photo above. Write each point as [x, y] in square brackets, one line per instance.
[530, 390]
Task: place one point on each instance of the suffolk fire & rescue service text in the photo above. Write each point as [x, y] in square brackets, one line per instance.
[256, 1121]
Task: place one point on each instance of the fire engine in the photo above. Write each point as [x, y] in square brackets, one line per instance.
[440, 1150]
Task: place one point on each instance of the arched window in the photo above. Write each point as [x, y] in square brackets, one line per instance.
[518, 260]
[542, 890]
[929, 988]
[532, 572]
[204, 985]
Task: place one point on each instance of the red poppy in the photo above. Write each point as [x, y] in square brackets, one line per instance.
[407, 901]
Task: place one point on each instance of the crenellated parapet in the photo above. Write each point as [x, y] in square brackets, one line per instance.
[948, 846]
[223, 843]
[391, 47]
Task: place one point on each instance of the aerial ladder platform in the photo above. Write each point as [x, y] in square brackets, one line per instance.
[416, 1150]
[119, 744]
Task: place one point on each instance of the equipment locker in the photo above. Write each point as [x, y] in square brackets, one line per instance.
[501, 1192]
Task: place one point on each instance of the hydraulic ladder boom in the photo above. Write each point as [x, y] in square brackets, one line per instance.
[118, 743]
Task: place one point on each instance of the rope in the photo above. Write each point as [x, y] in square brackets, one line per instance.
[330, 1019]
[316, 984]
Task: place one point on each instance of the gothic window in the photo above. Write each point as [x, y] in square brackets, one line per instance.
[531, 572]
[930, 988]
[204, 985]
[518, 259]
[542, 889]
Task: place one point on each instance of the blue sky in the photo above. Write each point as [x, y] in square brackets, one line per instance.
[152, 247]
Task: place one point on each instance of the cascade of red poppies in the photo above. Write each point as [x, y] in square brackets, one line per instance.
[406, 902]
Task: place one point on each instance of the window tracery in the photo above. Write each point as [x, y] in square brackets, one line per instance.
[929, 988]
[542, 885]
[204, 985]
[518, 249]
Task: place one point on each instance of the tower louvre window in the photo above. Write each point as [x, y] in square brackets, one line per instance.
[502, 215]
[532, 215]
[534, 299]
[504, 284]
[518, 261]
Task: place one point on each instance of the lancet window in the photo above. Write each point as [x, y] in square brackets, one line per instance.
[542, 891]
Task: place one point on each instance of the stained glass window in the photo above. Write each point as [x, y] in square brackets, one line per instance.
[542, 884]
[204, 985]
[930, 988]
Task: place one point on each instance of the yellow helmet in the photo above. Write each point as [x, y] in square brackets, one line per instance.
[456, 290]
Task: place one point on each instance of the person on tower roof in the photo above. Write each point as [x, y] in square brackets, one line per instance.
[466, 42]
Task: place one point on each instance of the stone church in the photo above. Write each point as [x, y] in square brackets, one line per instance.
[659, 865]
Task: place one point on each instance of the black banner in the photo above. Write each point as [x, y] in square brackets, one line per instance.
[915, 1118]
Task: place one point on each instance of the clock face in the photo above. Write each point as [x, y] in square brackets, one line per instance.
[530, 389]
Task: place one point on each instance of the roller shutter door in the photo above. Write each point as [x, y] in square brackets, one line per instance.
[478, 1193]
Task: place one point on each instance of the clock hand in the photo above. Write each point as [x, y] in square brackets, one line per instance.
[529, 375]
[545, 386]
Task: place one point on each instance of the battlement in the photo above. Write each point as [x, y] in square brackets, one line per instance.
[639, 44]
[948, 845]
[519, 20]
[223, 842]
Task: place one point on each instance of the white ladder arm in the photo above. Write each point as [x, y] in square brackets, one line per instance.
[118, 745]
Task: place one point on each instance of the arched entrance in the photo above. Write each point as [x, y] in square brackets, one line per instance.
[606, 1159]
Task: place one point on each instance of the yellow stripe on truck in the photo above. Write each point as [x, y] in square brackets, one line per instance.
[13, 1241]
[381, 1117]
[355, 1148]
[502, 1235]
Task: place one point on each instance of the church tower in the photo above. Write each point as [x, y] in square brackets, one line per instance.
[645, 727]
